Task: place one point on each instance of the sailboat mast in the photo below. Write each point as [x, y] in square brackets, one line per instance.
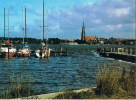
[8, 23]
[25, 22]
[47, 28]
[43, 20]
[4, 22]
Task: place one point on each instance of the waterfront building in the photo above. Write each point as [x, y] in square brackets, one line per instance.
[92, 40]
[87, 39]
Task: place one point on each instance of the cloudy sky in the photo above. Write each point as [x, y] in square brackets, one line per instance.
[102, 18]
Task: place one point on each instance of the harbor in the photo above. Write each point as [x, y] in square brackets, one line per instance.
[67, 49]
[75, 71]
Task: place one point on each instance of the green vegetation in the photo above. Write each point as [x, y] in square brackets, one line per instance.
[111, 84]
[17, 88]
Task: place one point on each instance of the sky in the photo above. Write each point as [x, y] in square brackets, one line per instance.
[102, 18]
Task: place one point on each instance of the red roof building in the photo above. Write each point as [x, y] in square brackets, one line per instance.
[90, 38]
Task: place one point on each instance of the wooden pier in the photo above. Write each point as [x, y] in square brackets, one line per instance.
[126, 54]
[61, 52]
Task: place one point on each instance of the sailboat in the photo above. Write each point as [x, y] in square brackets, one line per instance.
[44, 52]
[7, 49]
[24, 51]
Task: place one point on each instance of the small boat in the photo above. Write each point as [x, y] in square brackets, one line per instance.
[25, 50]
[7, 49]
[44, 52]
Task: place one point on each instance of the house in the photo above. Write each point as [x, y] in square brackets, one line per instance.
[92, 40]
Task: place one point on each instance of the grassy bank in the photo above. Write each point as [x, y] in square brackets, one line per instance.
[112, 83]
[16, 87]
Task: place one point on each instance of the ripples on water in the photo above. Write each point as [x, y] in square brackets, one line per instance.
[76, 71]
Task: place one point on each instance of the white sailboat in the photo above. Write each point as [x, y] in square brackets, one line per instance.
[44, 52]
[25, 50]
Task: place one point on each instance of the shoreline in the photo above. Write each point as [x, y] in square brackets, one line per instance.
[53, 95]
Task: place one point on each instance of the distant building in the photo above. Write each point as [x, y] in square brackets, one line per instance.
[83, 33]
[87, 39]
[129, 42]
[90, 38]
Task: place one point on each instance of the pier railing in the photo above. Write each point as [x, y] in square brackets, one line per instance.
[124, 51]
[126, 54]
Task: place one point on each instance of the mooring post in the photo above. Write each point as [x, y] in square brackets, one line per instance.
[8, 51]
[66, 51]
[114, 50]
[55, 53]
[103, 50]
[130, 51]
[111, 49]
[125, 51]
[30, 55]
[118, 50]
[60, 50]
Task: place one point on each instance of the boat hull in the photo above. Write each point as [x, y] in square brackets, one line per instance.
[48, 55]
[7, 50]
[10, 54]
[25, 52]
[23, 55]
[41, 54]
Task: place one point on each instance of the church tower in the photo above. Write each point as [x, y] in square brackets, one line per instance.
[83, 33]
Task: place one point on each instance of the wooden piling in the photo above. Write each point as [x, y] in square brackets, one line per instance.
[126, 54]
[55, 53]
[66, 52]
[8, 51]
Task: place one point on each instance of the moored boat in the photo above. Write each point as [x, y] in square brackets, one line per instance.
[44, 52]
[7, 49]
[25, 50]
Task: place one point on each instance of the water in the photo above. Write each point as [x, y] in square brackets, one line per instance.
[76, 71]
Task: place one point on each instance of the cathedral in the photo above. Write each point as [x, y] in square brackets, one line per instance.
[85, 38]
[83, 33]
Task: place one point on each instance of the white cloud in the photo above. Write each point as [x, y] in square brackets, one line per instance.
[114, 27]
[120, 12]
[119, 25]
[97, 21]
[110, 27]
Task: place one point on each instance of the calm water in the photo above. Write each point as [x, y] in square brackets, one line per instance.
[76, 71]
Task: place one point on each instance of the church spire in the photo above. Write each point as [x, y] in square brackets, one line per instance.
[83, 25]
[83, 33]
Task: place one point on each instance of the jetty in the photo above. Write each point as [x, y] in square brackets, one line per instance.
[125, 54]
[61, 52]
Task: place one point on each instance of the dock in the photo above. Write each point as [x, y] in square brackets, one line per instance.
[61, 52]
[125, 54]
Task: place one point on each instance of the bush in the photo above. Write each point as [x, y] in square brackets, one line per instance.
[18, 88]
[113, 82]
[107, 81]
